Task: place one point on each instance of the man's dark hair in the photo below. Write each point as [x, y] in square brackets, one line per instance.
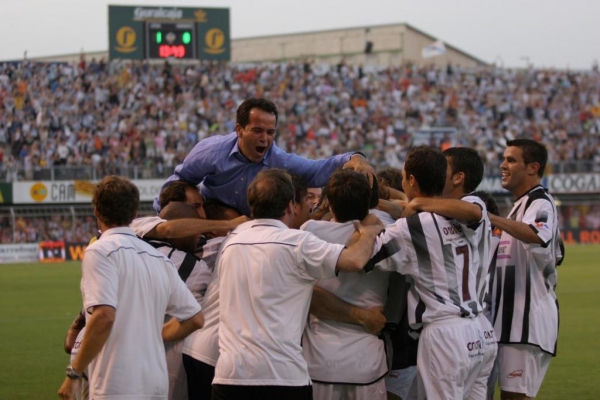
[349, 195]
[270, 193]
[532, 152]
[243, 111]
[300, 187]
[374, 198]
[116, 200]
[178, 210]
[490, 203]
[467, 161]
[392, 177]
[428, 166]
[175, 191]
[216, 210]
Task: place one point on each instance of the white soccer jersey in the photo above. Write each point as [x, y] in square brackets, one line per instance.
[337, 352]
[437, 257]
[124, 272]
[267, 273]
[203, 344]
[525, 306]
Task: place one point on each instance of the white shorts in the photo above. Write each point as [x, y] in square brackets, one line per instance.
[522, 368]
[490, 349]
[449, 359]
[400, 381]
[326, 391]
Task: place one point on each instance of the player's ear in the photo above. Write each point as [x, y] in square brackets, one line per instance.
[533, 168]
[238, 130]
[458, 178]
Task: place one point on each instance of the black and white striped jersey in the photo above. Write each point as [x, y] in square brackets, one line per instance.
[440, 263]
[479, 235]
[524, 303]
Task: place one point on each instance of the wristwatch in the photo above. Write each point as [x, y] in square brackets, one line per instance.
[71, 373]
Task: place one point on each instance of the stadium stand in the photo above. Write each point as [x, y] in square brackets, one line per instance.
[91, 119]
[88, 119]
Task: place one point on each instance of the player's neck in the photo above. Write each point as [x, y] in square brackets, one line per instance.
[525, 187]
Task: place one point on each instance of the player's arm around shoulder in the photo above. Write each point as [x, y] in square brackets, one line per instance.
[354, 257]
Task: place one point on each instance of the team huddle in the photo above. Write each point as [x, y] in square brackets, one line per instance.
[246, 287]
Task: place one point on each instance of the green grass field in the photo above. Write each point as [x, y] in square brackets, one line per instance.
[39, 301]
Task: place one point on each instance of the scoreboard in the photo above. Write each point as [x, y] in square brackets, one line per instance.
[185, 33]
[164, 40]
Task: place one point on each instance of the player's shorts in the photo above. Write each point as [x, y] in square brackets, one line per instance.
[326, 391]
[522, 368]
[490, 349]
[449, 359]
[400, 382]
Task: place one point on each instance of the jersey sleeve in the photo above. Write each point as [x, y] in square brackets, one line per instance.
[540, 218]
[317, 258]
[99, 281]
[141, 226]
[391, 249]
[474, 231]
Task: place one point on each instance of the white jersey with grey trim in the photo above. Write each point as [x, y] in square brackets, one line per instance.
[435, 254]
[479, 235]
[525, 306]
[337, 352]
[267, 274]
[203, 344]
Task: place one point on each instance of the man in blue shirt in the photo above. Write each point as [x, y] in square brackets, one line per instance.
[224, 165]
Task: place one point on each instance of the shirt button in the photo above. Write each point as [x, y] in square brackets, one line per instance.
[236, 192]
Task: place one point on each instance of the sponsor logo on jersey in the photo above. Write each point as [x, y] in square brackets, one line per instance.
[515, 374]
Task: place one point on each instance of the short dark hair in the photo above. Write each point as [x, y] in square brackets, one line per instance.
[490, 202]
[216, 210]
[243, 112]
[300, 187]
[532, 152]
[349, 195]
[428, 166]
[175, 191]
[270, 193]
[467, 161]
[392, 177]
[116, 200]
[178, 210]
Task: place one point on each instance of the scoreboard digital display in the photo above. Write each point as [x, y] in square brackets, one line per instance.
[170, 40]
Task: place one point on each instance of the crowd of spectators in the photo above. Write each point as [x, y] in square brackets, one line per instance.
[114, 116]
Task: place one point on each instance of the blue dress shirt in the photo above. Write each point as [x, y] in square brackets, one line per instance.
[223, 173]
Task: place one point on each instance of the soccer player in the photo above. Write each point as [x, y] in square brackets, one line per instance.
[127, 288]
[525, 307]
[464, 173]
[267, 273]
[435, 254]
[344, 360]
